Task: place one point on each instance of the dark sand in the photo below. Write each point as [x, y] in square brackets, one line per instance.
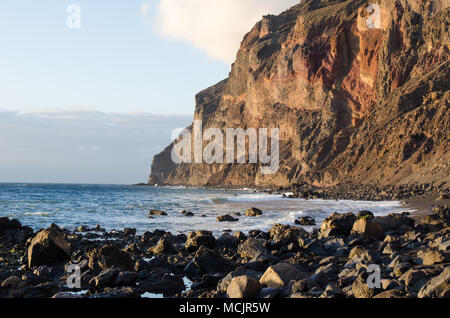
[424, 207]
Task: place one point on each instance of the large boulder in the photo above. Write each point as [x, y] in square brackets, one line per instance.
[243, 287]
[393, 222]
[8, 226]
[48, 247]
[195, 240]
[110, 256]
[436, 286]
[208, 261]
[281, 274]
[285, 234]
[337, 224]
[252, 248]
[365, 227]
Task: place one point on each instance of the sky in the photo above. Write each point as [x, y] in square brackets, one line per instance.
[94, 104]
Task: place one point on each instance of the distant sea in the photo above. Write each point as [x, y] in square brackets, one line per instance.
[120, 206]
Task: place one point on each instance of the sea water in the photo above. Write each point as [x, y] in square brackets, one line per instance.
[120, 206]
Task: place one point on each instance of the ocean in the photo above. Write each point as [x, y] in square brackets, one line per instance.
[120, 206]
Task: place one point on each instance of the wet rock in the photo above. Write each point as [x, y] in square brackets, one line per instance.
[279, 275]
[129, 231]
[195, 240]
[243, 287]
[47, 247]
[337, 224]
[110, 256]
[306, 221]
[157, 213]
[253, 212]
[226, 218]
[436, 286]
[186, 213]
[252, 248]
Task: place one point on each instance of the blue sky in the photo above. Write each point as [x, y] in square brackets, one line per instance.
[93, 105]
[114, 63]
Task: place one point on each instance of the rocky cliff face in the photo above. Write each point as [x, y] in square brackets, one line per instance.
[359, 90]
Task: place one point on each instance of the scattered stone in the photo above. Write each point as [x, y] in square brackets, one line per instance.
[157, 213]
[186, 213]
[253, 212]
[226, 218]
[306, 221]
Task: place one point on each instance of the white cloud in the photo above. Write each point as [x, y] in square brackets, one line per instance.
[214, 26]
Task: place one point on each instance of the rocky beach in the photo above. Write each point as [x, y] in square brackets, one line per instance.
[331, 261]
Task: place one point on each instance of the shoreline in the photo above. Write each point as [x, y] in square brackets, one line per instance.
[286, 261]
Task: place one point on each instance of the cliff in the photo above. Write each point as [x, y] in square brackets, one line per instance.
[359, 90]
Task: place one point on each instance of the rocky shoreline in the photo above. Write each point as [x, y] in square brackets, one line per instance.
[332, 261]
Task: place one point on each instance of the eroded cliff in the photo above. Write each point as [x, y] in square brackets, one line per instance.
[359, 90]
